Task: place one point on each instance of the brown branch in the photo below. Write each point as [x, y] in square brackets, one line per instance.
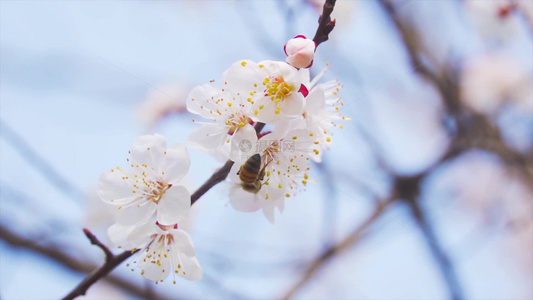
[95, 241]
[325, 24]
[344, 245]
[112, 261]
[66, 259]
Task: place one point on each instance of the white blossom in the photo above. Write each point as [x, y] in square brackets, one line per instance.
[323, 111]
[300, 52]
[491, 80]
[163, 250]
[285, 160]
[273, 87]
[227, 111]
[151, 184]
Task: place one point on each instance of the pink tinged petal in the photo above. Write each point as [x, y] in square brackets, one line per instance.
[243, 144]
[208, 137]
[201, 101]
[183, 242]
[135, 214]
[149, 150]
[242, 200]
[300, 52]
[114, 188]
[176, 163]
[190, 268]
[174, 205]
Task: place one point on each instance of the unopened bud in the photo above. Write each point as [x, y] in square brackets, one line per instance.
[300, 52]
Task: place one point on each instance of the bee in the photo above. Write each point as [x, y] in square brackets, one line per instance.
[251, 174]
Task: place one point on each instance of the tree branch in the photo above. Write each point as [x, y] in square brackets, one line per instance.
[444, 262]
[94, 240]
[112, 261]
[67, 260]
[325, 24]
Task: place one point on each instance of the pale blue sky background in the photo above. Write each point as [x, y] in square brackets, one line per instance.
[72, 76]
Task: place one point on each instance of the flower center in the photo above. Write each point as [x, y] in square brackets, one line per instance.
[271, 151]
[154, 191]
[236, 121]
[277, 88]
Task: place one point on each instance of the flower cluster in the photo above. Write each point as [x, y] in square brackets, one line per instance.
[268, 167]
[150, 195]
[152, 200]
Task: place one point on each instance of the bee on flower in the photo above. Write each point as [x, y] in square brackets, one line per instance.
[268, 169]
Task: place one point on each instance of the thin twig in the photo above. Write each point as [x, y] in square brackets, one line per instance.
[66, 259]
[344, 245]
[325, 24]
[444, 262]
[112, 261]
[95, 241]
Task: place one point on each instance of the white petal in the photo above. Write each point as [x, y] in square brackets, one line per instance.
[268, 211]
[130, 237]
[242, 200]
[176, 163]
[183, 242]
[190, 268]
[316, 101]
[114, 188]
[243, 144]
[174, 205]
[293, 105]
[208, 137]
[243, 75]
[233, 173]
[156, 268]
[267, 113]
[133, 214]
[199, 101]
[149, 150]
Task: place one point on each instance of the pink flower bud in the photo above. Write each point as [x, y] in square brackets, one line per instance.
[300, 52]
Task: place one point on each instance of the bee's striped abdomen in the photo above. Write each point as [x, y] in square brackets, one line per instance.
[251, 168]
